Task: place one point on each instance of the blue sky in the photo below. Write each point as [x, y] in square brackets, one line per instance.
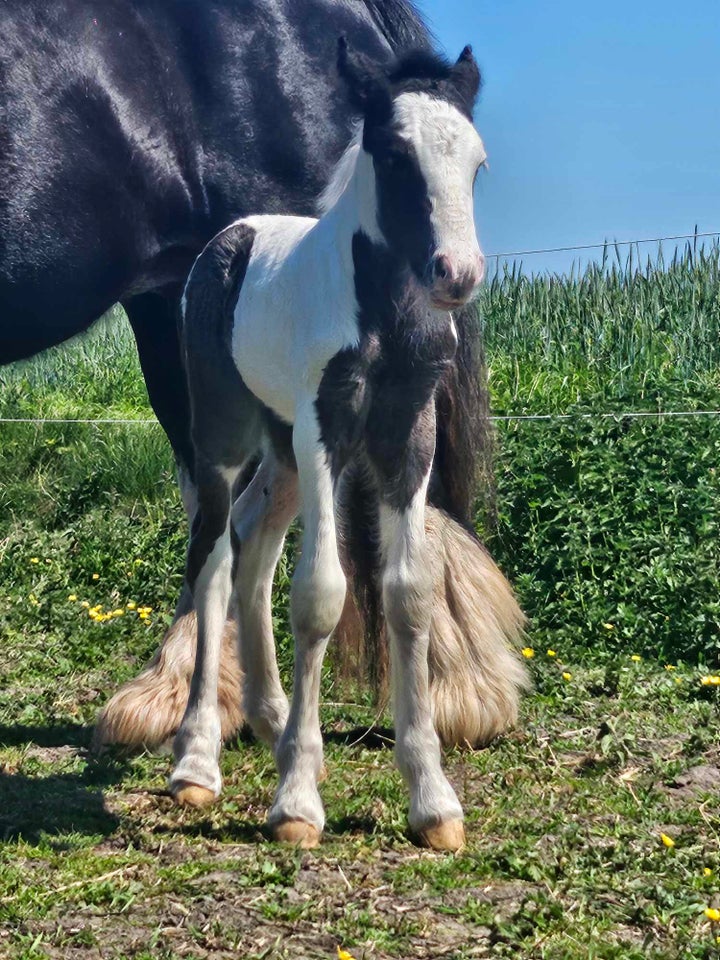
[601, 120]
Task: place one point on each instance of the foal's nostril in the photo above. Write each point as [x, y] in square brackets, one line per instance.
[442, 268]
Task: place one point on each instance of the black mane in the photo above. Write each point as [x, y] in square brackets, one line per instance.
[401, 23]
[425, 71]
[419, 64]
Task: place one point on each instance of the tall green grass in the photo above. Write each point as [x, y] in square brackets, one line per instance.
[599, 522]
[621, 318]
[609, 527]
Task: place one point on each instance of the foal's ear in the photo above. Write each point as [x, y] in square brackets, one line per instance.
[365, 82]
[466, 75]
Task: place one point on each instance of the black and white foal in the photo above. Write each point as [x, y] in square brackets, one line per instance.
[320, 343]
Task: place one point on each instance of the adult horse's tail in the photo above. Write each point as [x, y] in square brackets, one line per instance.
[476, 675]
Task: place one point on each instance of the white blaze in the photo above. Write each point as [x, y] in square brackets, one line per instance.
[449, 151]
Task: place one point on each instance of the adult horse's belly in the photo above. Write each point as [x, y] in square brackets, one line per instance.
[287, 323]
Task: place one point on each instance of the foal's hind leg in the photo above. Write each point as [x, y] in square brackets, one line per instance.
[196, 779]
[260, 518]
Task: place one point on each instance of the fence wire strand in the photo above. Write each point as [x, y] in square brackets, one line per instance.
[548, 417]
[496, 418]
[607, 244]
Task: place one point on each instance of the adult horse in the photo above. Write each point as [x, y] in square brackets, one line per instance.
[130, 133]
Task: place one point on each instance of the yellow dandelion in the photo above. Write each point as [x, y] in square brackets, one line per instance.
[669, 666]
[609, 626]
[118, 613]
[710, 681]
[668, 841]
[344, 955]
[131, 605]
[567, 676]
[712, 913]
[96, 576]
[34, 559]
[72, 598]
[636, 658]
[84, 603]
[528, 652]
[707, 872]
[551, 653]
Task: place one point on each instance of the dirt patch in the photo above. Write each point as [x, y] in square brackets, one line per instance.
[698, 780]
[219, 914]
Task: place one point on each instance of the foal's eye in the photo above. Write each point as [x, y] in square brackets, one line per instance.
[393, 159]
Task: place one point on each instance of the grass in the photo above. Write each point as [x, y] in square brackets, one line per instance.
[609, 531]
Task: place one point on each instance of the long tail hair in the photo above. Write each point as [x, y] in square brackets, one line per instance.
[475, 673]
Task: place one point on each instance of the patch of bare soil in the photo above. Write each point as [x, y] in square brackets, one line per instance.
[704, 778]
[222, 917]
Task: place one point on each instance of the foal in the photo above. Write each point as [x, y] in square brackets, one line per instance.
[321, 343]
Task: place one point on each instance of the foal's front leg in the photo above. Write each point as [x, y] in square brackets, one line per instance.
[316, 603]
[436, 816]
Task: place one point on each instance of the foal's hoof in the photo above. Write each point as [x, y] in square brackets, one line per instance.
[190, 795]
[298, 832]
[449, 835]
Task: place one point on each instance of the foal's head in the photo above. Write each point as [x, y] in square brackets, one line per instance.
[425, 154]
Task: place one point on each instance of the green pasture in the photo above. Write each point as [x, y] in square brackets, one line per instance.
[593, 828]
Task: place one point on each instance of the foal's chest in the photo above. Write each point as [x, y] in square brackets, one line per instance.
[374, 394]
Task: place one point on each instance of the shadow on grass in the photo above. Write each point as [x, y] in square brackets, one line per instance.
[233, 831]
[57, 803]
[371, 738]
[61, 735]
[337, 827]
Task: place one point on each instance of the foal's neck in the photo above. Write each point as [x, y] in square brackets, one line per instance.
[351, 231]
[355, 209]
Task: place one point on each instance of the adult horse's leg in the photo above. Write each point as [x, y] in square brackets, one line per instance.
[147, 710]
[316, 604]
[196, 779]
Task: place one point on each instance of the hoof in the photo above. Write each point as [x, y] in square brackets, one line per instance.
[190, 795]
[298, 832]
[449, 835]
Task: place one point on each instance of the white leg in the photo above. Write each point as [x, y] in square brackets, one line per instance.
[435, 813]
[261, 517]
[317, 598]
[196, 776]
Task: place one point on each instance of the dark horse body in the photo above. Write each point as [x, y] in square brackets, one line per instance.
[131, 131]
